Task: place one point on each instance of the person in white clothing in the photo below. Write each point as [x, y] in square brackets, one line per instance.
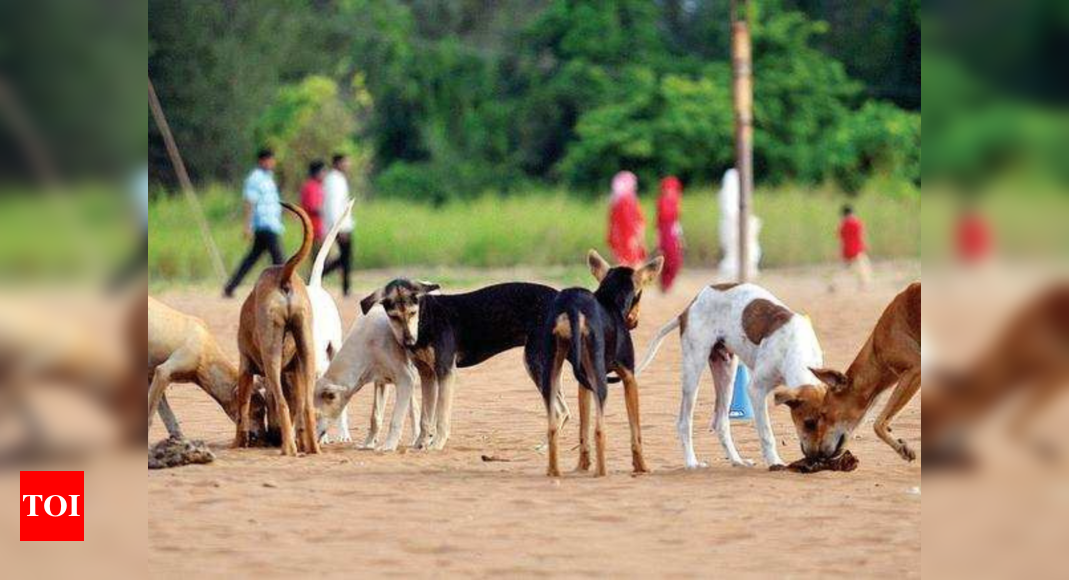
[729, 230]
[335, 200]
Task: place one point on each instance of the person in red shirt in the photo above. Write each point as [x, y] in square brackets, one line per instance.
[669, 230]
[312, 199]
[852, 240]
[627, 226]
[973, 236]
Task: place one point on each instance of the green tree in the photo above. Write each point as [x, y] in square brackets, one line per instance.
[309, 120]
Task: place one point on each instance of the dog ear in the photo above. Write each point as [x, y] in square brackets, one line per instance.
[787, 396]
[426, 287]
[648, 272]
[835, 380]
[598, 266]
[371, 300]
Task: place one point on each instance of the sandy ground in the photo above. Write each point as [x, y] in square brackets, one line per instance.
[358, 513]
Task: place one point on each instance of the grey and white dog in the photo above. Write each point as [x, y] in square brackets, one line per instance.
[370, 354]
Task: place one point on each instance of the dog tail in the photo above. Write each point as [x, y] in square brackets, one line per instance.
[316, 278]
[597, 358]
[306, 246]
[655, 344]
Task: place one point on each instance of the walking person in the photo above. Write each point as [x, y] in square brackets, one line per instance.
[852, 239]
[312, 201]
[669, 230]
[627, 226]
[263, 218]
[335, 200]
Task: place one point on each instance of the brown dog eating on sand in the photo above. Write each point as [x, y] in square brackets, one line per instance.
[275, 341]
[826, 415]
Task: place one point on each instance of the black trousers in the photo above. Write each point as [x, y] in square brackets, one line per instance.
[343, 261]
[262, 241]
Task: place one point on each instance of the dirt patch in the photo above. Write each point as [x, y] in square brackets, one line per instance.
[450, 513]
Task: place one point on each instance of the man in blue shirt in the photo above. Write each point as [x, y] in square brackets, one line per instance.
[263, 218]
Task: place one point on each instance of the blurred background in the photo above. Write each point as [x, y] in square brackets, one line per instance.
[497, 126]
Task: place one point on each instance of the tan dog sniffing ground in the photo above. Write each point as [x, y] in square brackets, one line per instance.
[275, 341]
[826, 415]
[182, 349]
[1030, 358]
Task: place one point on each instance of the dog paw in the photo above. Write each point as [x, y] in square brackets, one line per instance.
[905, 451]
[745, 463]
[345, 438]
[697, 465]
[386, 448]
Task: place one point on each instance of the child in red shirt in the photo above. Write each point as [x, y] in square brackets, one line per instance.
[312, 199]
[973, 236]
[852, 240]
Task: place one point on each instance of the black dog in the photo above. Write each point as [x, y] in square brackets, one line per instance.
[592, 332]
[444, 332]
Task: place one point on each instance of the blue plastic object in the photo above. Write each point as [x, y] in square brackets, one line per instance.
[741, 408]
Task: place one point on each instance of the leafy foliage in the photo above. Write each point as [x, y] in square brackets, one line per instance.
[310, 120]
[472, 96]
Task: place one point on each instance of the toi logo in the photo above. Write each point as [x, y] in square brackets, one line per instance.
[51, 506]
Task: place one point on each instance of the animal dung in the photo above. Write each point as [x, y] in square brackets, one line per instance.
[172, 452]
[843, 462]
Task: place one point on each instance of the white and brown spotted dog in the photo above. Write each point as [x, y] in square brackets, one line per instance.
[728, 322]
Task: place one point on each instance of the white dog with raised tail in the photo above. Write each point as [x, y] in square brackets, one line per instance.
[728, 322]
[326, 322]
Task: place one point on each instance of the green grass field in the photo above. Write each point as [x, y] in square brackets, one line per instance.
[542, 229]
[86, 233]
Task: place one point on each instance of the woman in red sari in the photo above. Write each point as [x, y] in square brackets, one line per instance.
[669, 230]
[627, 227]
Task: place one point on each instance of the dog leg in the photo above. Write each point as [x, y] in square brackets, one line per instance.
[758, 390]
[429, 392]
[243, 402]
[693, 361]
[343, 426]
[378, 405]
[585, 397]
[160, 379]
[552, 434]
[414, 413]
[638, 462]
[562, 408]
[444, 410]
[402, 400]
[599, 439]
[908, 385]
[272, 339]
[305, 384]
[169, 420]
[724, 381]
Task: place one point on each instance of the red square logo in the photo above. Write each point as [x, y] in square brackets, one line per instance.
[51, 506]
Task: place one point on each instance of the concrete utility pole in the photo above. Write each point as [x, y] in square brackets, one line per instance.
[742, 92]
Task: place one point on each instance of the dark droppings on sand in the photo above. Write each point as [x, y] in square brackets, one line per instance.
[173, 452]
[844, 462]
